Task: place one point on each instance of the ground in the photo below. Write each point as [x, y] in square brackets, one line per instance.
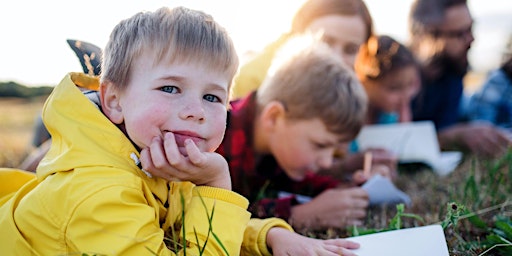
[474, 197]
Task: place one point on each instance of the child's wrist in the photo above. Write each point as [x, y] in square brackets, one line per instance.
[223, 182]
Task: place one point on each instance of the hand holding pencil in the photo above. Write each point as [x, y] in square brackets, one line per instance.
[372, 166]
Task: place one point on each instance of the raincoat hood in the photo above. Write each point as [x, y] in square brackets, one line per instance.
[76, 125]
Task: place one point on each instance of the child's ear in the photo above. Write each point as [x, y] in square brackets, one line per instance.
[110, 104]
[272, 114]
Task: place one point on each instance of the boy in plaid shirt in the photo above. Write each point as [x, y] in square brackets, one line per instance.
[279, 136]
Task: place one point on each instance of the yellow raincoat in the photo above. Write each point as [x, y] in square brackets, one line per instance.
[90, 197]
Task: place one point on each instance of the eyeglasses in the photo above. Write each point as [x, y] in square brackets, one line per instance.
[456, 34]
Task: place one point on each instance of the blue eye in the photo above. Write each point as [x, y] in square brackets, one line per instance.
[169, 89]
[211, 98]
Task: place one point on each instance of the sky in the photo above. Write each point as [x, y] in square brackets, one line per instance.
[34, 51]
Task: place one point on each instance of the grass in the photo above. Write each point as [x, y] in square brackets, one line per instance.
[17, 120]
[474, 203]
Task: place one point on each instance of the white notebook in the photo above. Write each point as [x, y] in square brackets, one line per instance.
[413, 142]
[419, 241]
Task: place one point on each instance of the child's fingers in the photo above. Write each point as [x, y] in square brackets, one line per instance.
[359, 177]
[341, 246]
[195, 156]
[383, 170]
[146, 161]
[147, 165]
[336, 250]
[347, 252]
[172, 153]
[340, 242]
[156, 152]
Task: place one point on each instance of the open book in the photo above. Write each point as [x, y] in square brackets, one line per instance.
[413, 142]
[419, 241]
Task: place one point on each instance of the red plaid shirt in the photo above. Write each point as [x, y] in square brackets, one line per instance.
[259, 177]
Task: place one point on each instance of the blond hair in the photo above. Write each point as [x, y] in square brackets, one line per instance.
[311, 81]
[170, 35]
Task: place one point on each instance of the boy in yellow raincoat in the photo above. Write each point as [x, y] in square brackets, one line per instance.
[164, 87]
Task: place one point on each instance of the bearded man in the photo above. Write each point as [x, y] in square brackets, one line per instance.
[440, 38]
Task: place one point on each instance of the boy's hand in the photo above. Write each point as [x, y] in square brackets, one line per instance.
[163, 159]
[285, 242]
[360, 177]
[338, 208]
[385, 157]
[344, 168]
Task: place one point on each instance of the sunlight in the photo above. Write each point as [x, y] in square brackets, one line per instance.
[36, 53]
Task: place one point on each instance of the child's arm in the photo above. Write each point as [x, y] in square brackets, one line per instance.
[285, 242]
[337, 208]
[163, 159]
[329, 207]
[273, 236]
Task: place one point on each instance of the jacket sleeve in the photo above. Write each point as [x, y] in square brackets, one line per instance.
[229, 218]
[485, 103]
[255, 236]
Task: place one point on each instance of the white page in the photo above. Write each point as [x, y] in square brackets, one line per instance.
[411, 142]
[382, 191]
[418, 241]
[448, 161]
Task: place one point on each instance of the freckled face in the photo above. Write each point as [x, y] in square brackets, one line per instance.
[187, 99]
[303, 146]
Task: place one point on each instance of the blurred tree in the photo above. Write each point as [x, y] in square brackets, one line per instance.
[13, 89]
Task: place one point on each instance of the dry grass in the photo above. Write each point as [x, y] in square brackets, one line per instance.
[16, 128]
[483, 186]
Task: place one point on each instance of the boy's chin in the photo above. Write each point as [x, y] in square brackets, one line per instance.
[297, 176]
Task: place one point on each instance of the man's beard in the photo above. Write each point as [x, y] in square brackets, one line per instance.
[449, 65]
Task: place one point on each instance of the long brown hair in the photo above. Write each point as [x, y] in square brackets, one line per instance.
[381, 56]
[313, 9]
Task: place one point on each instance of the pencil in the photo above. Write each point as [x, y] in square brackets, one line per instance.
[367, 166]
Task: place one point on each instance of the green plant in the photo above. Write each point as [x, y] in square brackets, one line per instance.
[210, 229]
[498, 234]
[176, 245]
[394, 224]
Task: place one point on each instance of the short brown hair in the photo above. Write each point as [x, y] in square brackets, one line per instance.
[425, 16]
[313, 82]
[177, 34]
